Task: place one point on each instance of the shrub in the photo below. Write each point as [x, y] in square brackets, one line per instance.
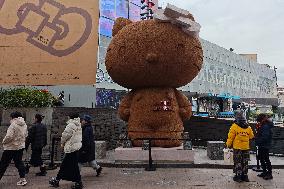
[25, 98]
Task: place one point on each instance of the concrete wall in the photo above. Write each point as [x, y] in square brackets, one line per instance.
[107, 126]
[28, 114]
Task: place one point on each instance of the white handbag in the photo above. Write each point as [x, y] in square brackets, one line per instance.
[228, 156]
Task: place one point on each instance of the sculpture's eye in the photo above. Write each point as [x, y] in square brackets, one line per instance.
[122, 50]
[180, 47]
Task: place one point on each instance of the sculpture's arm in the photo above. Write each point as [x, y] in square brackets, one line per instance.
[124, 107]
[185, 108]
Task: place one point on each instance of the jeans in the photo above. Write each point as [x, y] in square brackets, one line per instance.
[16, 156]
[263, 155]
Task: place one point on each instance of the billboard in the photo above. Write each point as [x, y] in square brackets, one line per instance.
[48, 42]
[134, 12]
[121, 8]
[107, 8]
[136, 2]
[106, 27]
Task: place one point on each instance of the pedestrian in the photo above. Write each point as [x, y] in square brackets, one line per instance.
[37, 137]
[71, 141]
[87, 152]
[239, 138]
[263, 141]
[14, 145]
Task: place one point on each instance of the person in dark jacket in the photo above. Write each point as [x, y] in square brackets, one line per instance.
[263, 141]
[87, 152]
[37, 137]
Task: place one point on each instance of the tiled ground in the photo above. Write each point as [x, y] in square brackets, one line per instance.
[117, 178]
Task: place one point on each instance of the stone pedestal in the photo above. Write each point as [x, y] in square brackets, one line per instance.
[215, 150]
[101, 148]
[159, 155]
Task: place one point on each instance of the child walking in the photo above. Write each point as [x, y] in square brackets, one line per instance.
[71, 140]
[239, 138]
[14, 145]
[87, 152]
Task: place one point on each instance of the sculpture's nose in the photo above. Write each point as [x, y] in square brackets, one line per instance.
[151, 58]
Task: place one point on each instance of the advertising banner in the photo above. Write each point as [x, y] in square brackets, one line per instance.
[48, 42]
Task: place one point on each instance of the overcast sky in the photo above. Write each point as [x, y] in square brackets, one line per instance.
[248, 26]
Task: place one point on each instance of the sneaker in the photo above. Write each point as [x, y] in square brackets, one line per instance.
[245, 178]
[237, 178]
[99, 171]
[53, 182]
[268, 176]
[22, 182]
[261, 174]
[77, 185]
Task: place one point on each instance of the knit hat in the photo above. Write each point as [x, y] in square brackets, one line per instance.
[239, 115]
[87, 118]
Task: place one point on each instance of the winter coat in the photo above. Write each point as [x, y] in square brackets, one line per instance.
[37, 136]
[264, 135]
[72, 136]
[239, 137]
[16, 135]
[87, 152]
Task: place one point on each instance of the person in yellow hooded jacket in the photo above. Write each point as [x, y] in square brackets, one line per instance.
[239, 138]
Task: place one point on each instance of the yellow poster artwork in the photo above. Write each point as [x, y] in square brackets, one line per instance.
[48, 42]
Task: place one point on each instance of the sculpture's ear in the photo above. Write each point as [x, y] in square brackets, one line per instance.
[119, 24]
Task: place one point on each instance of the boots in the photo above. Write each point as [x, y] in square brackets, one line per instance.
[262, 174]
[245, 178]
[99, 171]
[268, 176]
[42, 172]
[237, 178]
[77, 185]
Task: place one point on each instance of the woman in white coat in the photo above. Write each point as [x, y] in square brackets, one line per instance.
[71, 141]
[14, 145]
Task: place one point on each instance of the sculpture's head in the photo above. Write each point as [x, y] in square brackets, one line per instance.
[155, 53]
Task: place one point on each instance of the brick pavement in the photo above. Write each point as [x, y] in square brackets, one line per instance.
[117, 178]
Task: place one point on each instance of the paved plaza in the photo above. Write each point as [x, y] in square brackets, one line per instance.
[126, 178]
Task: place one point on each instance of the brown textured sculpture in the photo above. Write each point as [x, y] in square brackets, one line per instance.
[153, 58]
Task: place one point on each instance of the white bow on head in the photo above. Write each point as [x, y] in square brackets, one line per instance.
[178, 17]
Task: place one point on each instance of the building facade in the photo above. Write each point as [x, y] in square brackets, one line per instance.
[224, 74]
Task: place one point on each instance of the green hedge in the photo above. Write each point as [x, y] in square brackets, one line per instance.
[25, 98]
